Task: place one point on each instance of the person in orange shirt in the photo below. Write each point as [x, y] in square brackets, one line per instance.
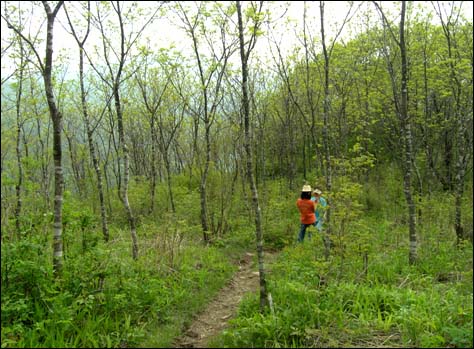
[306, 207]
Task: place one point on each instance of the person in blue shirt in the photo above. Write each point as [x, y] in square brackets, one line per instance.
[320, 204]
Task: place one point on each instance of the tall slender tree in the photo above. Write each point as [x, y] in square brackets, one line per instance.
[246, 48]
[400, 95]
[153, 94]
[19, 126]
[211, 72]
[327, 53]
[85, 113]
[461, 106]
[46, 68]
[114, 80]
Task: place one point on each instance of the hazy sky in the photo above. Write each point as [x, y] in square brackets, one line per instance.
[164, 31]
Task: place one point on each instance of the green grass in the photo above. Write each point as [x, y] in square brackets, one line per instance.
[142, 302]
[106, 299]
[397, 305]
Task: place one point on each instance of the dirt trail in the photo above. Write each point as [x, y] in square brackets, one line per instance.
[215, 317]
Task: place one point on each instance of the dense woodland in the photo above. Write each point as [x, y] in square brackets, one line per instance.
[134, 175]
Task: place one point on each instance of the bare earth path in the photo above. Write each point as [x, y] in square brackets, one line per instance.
[214, 318]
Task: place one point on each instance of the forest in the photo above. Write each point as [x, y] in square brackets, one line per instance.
[152, 152]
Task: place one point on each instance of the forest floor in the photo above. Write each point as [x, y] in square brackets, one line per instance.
[214, 319]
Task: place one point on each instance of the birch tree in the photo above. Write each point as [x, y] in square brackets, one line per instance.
[19, 126]
[87, 120]
[114, 77]
[246, 47]
[327, 52]
[400, 94]
[46, 67]
[210, 71]
[460, 81]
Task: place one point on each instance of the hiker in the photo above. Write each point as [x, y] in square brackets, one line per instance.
[306, 208]
[320, 204]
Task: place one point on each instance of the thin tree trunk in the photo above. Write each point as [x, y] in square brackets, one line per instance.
[203, 186]
[116, 77]
[152, 104]
[75, 166]
[209, 106]
[408, 141]
[56, 117]
[327, 155]
[462, 140]
[42, 156]
[264, 300]
[19, 185]
[122, 151]
[153, 164]
[89, 130]
[92, 151]
[310, 94]
[168, 180]
[126, 171]
[401, 106]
